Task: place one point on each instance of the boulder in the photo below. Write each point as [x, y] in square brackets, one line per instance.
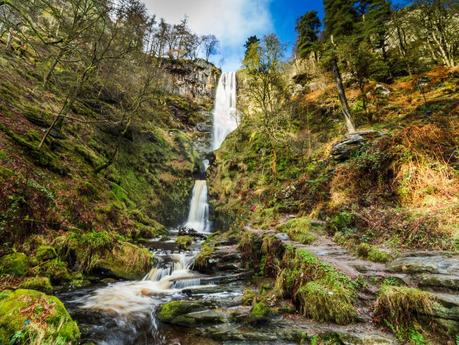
[32, 314]
[175, 312]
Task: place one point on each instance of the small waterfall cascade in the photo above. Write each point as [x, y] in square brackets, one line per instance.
[225, 114]
[198, 217]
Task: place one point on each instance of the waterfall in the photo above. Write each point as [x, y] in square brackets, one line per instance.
[133, 302]
[225, 114]
[198, 217]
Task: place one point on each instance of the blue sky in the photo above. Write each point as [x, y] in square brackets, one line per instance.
[284, 15]
[232, 21]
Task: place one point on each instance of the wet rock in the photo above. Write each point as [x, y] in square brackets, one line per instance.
[199, 318]
[174, 312]
[365, 339]
[439, 281]
[282, 237]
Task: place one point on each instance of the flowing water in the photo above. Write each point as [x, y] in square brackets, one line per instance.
[198, 217]
[225, 115]
[122, 313]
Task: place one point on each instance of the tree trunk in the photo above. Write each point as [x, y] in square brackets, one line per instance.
[51, 70]
[9, 40]
[342, 96]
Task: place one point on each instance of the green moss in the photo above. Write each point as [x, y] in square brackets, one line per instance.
[298, 229]
[372, 253]
[126, 261]
[34, 318]
[45, 253]
[322, 300]
[56, 270]
[174, 309]
[39, 157]
[184, 242]
[16, 264]
[319, 290]
[42, 284]
[259, 313]
[202, 260]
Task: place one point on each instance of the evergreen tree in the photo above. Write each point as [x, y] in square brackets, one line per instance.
[308, 28]
[340, 16]
[251, 40]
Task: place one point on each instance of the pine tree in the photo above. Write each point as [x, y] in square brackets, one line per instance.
[308, 28]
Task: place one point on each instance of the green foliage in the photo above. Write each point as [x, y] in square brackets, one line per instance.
[308, 27]
[372, 253]
[42, 284]
[342, 222]
[184, 242]
[202, 260]
[259, 313]
[16, 264]
[45, 252]
[298, 229]
[323, 301]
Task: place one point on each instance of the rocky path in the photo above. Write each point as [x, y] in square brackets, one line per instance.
[434, 271]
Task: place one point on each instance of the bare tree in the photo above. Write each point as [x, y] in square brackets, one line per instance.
[210, 45]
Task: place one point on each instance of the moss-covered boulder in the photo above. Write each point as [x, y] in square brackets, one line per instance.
[16, 264]
[126, 261]
[42, 284]
[32, 317]
[175, 312]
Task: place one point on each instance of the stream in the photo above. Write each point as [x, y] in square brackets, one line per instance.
[123, 313]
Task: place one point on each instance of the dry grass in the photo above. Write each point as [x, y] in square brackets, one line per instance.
[402, 306]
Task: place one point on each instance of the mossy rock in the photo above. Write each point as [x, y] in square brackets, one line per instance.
[171, 311]
[326, 303]
[32, 317]
[16, 264]
[184, 242]
[45, 253]
[42, 284]
[56, 270]
[126, 261]
[373, 253]
[259, 313]
[202, 260]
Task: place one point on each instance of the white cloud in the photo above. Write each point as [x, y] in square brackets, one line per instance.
[232, 21]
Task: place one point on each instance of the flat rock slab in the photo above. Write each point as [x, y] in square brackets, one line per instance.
[438, 264]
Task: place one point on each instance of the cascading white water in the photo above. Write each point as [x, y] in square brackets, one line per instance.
[198, 217]
[134, 301]
[225, 114]
[131, 301]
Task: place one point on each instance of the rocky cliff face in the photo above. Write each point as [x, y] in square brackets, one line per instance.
[193, 79]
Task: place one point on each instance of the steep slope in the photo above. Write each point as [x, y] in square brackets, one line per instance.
[73, 205]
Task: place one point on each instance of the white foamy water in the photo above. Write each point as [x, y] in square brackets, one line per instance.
[135, 301]
[225, 114]
[198, 217]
